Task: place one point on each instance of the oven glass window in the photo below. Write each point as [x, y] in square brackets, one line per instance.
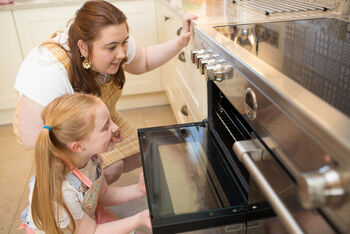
[185, 173]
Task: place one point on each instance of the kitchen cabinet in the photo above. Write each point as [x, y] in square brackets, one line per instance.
[35, 25]
[185, 87]
[10, 61]
[143, 27]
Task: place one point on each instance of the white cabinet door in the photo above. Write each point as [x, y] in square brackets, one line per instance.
[35, 25]
[10, 61]
[143, 28]
[180, 72]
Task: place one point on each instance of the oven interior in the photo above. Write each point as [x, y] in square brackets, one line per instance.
[227, 127]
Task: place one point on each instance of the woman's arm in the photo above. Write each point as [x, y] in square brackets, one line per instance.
[147, 59]
[113, 195]
[29, 121]
[86, 225]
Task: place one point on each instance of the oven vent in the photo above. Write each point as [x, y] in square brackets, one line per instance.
[232, 127]
[269, 7]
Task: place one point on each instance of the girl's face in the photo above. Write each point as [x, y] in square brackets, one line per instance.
[105, 134]
[109, 49]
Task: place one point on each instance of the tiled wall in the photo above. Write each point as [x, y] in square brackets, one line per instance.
[337, 5]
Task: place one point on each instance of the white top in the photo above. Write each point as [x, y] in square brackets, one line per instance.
[43, 78]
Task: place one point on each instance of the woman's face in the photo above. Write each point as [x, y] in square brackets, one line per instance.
[109, 49]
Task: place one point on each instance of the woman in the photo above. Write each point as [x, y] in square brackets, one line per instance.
[90, 57]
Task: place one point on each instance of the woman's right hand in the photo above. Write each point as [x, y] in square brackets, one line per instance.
[144, 219]
[185, 34]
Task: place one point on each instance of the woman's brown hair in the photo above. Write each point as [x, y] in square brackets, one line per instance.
[71, 118]
[87, 24]
[89, 20]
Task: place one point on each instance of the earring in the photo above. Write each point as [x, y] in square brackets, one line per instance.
[86, 64]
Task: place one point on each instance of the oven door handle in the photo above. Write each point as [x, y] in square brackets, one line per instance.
[247, 151]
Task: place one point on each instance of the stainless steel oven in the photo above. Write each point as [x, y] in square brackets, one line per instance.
[274, 154]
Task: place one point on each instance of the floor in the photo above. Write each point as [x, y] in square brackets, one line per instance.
[17, 168]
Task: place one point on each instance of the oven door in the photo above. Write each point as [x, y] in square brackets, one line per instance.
[189, 184]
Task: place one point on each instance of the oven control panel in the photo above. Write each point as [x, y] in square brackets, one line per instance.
[211, 65]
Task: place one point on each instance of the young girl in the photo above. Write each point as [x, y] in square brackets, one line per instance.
[69, 190]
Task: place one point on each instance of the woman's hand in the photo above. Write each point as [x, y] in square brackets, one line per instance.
[141, 183]
[185, 34]
[144, 219]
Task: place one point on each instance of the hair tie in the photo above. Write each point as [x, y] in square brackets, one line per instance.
[47, 127]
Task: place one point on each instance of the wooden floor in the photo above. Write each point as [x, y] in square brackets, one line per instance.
[16, 169]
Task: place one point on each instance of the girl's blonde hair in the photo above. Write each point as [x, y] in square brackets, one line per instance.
[71, 118]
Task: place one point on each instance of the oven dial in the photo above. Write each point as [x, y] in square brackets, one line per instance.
[218, 72]
[326, 186]
[209, 61]
[200, 57]
[198, 52]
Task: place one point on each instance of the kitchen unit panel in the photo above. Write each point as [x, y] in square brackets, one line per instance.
[142, 25]
[10, 60]
[179, 73]
[34, 26]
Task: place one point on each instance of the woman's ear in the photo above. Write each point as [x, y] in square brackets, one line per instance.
[83, 47]
[77, 147]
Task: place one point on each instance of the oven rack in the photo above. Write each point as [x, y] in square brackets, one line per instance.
[235, 132]
[269, 7]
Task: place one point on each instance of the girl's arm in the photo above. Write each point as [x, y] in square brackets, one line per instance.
[113, 195]
[147, 59]
[86, 225]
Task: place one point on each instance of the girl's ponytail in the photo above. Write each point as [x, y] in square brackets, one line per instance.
[68, 119]
[48, 179]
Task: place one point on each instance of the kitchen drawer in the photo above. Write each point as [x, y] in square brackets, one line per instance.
[181, 109]
[169, 21]
[192, 84]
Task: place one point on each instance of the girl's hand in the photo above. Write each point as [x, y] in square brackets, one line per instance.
[185, 34]
[141, 183]
[144, 219]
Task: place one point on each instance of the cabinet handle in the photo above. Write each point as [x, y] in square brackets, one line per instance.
[184, 110]
[178, 32]
[166, 18]
[182, 57]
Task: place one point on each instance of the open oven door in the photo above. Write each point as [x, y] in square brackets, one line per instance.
[189, 184]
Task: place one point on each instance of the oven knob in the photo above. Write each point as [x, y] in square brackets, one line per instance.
[324, 187]
[218, 72]
[200, 57]
[199, 51]
[210, 61]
